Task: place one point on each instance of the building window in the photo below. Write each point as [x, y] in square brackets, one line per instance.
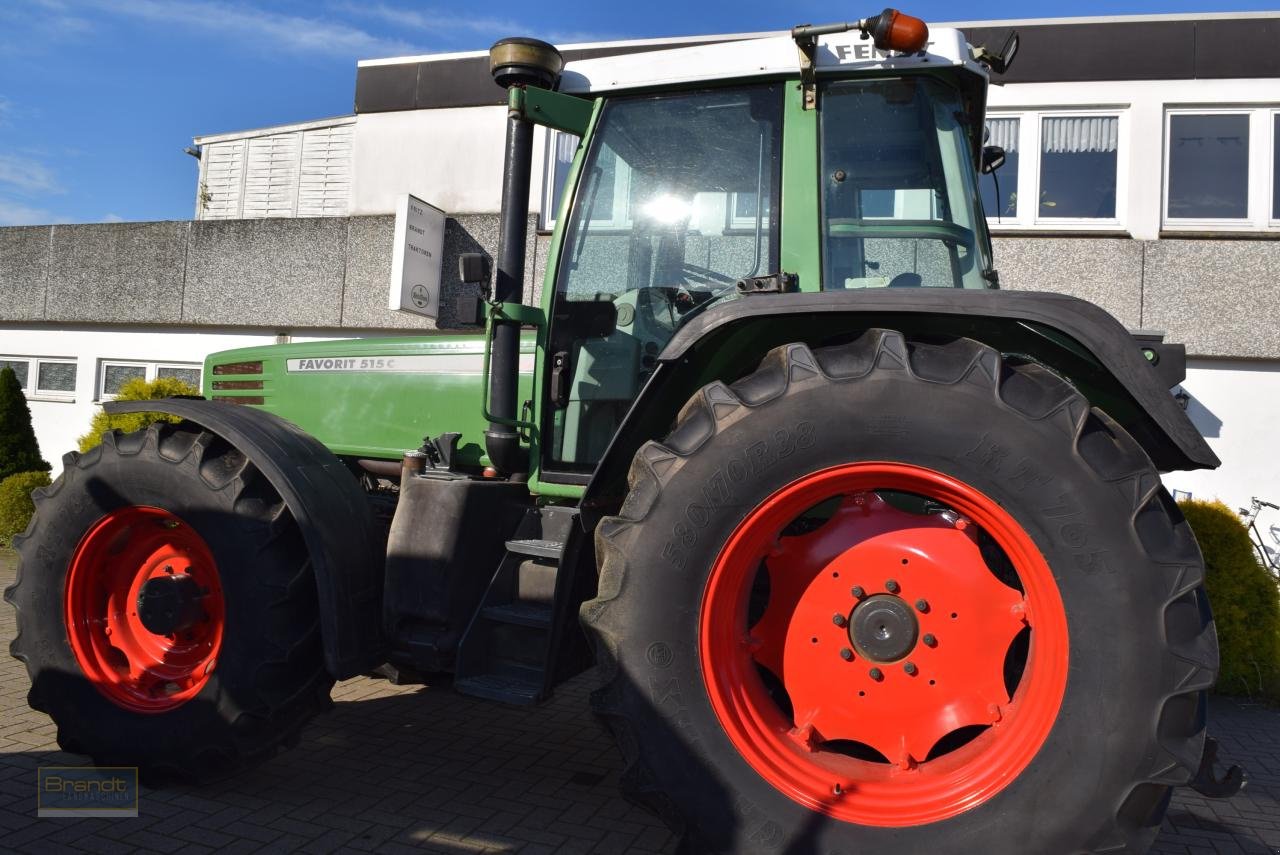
[1002, 132]
[1208, 166]
[21, 368]
[113, 375]
[43, 378]
[1275, 166]
[1078, 167]
[1222, 169]
[1074, 181]
[745, 212]
[55, 379]
[561, 148]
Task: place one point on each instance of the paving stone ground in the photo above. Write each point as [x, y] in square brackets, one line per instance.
[421, 768]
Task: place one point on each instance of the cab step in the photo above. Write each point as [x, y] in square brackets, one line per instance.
[509, 650]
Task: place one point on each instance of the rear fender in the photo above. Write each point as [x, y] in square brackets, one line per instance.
[332, 512]
[1073, 338]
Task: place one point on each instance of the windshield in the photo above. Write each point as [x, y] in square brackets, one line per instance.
[677, 201]
[899, 188]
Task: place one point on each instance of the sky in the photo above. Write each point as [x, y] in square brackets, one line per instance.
[98, 98]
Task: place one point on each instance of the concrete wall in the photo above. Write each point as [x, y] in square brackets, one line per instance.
[331, 272]
[1216, 296]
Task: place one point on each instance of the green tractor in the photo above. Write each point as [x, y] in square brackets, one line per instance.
[870, 556]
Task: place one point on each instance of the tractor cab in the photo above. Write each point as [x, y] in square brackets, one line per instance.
[690, 190]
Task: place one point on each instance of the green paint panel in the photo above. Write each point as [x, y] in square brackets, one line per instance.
[801, 215]
[371, 397]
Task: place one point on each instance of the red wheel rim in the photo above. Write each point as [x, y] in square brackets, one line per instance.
[935, 730]
[144, 609]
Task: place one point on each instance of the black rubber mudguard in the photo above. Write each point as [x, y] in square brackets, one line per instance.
[330, 508]
[1087, 325]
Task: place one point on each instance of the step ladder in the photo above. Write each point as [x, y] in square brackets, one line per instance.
[509, 652]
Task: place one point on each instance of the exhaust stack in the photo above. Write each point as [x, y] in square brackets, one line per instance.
[515, 62]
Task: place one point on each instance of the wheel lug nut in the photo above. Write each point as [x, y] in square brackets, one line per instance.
[910, 668]
[929, 640]
[858, 592]
[877, 674]
[922, 605]
[839, 619]
[892, 586]
[846, 654]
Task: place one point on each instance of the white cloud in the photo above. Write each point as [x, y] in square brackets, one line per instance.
[445, 23]
[251, 25]
[27, 28]
[429, 20]
[27, 175]
[17, 214]
[112, 218]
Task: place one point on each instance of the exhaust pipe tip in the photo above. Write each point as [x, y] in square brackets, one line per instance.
[525, 62]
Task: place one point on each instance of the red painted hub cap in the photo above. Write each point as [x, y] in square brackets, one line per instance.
[144, 609]
[884, 644]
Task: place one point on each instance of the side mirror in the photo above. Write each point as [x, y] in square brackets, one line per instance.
[992, 158]
[473, 268]
[998, 61]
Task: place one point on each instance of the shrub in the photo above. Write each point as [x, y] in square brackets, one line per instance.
[19, 451]
[16, 507]
[1245, 601]
[136, 390]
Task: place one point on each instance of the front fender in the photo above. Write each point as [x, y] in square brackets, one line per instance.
[330, 508]
[1072, 337]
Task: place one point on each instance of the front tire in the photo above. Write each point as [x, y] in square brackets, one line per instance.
[167, 610]
[706, 683]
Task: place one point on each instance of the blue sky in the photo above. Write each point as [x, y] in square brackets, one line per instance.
[98, 98]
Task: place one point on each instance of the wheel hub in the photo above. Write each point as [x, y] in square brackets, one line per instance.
[883, 628]
[170, 604]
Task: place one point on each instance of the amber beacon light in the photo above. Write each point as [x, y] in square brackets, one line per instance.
[892, 30]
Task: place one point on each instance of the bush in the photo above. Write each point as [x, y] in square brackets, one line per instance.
[16, 507]
[1245, 601]
[136, 390]
[19, 451]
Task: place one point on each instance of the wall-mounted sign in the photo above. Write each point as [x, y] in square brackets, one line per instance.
[417, 255]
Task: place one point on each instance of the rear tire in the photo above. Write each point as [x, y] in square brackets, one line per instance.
[265, 675]
[1142, 647]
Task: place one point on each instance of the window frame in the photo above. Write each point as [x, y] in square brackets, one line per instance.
[1272, 213]
[29, 360]
[1027, 181]
[150, 372]
[58, 396]
[621, 188]
[1250, 221]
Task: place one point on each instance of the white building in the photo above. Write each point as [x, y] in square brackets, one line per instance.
[1143, 174]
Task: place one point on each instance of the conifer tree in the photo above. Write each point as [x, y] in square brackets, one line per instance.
[19, 451]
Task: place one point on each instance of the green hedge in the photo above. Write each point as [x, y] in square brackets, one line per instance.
[136, 390]
[15, 503]
[1245, 600]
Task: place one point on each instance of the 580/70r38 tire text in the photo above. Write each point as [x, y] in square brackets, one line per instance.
[901, 596]
[167, 610]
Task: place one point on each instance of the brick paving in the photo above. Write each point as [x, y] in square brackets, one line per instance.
[423, 769]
